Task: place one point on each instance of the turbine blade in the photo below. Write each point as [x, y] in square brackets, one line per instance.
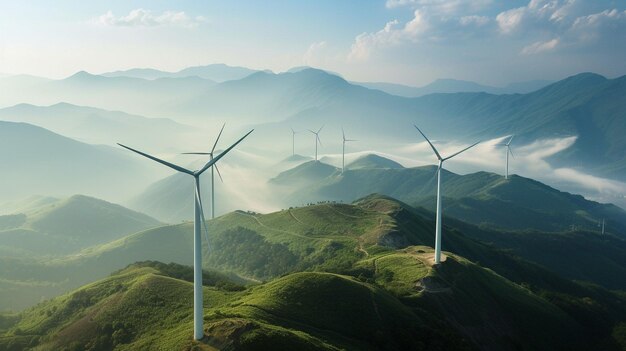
[511, 151]
[429, 143]
[195, 153]
[510, 140]
[212, 161]
[351, 140]
[170, 165]
[311, 131]
[344, 134]
[218, 173]
[206, 230]
[467, 148]
[218, 137]
[319, 130]
[318, 139]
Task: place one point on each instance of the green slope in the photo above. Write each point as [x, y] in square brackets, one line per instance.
[481, 198]
[68, 225]
[458, 305]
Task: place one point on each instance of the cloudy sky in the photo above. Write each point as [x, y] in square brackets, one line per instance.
[404, 41]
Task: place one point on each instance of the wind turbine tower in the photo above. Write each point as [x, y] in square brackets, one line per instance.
[198, 318]
[213, 169]
[317, 139]
[293, 142]
[343, 150]
[439, 168]
[508, 151]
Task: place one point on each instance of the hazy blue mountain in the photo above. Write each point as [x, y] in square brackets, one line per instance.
[215, 72]
[97, 126]
[37, 161]
[132, 95]
[143, 73]
[455, 86]
[373, 161]
[586, 105]
[481, 198]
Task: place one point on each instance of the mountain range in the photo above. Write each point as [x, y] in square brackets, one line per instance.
[587, 106]
[455, 86]
[215, 72]
[97, 126]
[43, 162]
[367, 258]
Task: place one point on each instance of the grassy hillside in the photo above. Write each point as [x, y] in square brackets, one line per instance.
[68, 225]
[480, 198]
[329, 237]
[403, 303]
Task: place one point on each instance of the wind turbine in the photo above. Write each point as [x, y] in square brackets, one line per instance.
[293, 142]
[508, 151]
[317, 139]
[213, 169]
[602, 226]
[343, 150]
[438, 223]
[198, 331]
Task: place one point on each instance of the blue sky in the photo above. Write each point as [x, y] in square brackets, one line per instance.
[405, 41]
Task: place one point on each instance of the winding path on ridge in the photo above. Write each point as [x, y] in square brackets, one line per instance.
[281, 230]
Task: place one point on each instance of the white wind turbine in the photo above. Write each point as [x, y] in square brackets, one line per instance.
[198, 331]
[317, 139]
[343, 150]
[293, 142]
[508, 151]
[438, 222]
[213, 169]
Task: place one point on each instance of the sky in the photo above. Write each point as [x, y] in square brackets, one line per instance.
[411, 42]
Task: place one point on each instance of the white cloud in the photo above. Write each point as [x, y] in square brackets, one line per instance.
[474, 20]
[540, 46]
[145, 18]
[312, 54]
[510, 20]
[442, 6]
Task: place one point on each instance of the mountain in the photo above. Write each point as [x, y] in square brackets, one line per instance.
[371, 244]
[132, 95]
[215, 72]
[68, 225]
[38, 161]
[455, 86]
[373, 161]
[481, 198]
[151, 305]
[305, 173]
[587, 106]
[97, 126]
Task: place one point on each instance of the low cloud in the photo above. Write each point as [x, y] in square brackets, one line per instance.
[540, 46]
[145, 18]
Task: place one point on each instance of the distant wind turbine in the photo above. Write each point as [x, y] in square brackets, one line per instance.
[198, 318]
[293, 142]
[317, 139]
[213, 169]
[438, 223]
[602, 226]
[343, 150]
[508, 151]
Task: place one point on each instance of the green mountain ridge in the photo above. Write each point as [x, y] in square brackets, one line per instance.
[308, 310]
[69, 225]
[481, 198]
